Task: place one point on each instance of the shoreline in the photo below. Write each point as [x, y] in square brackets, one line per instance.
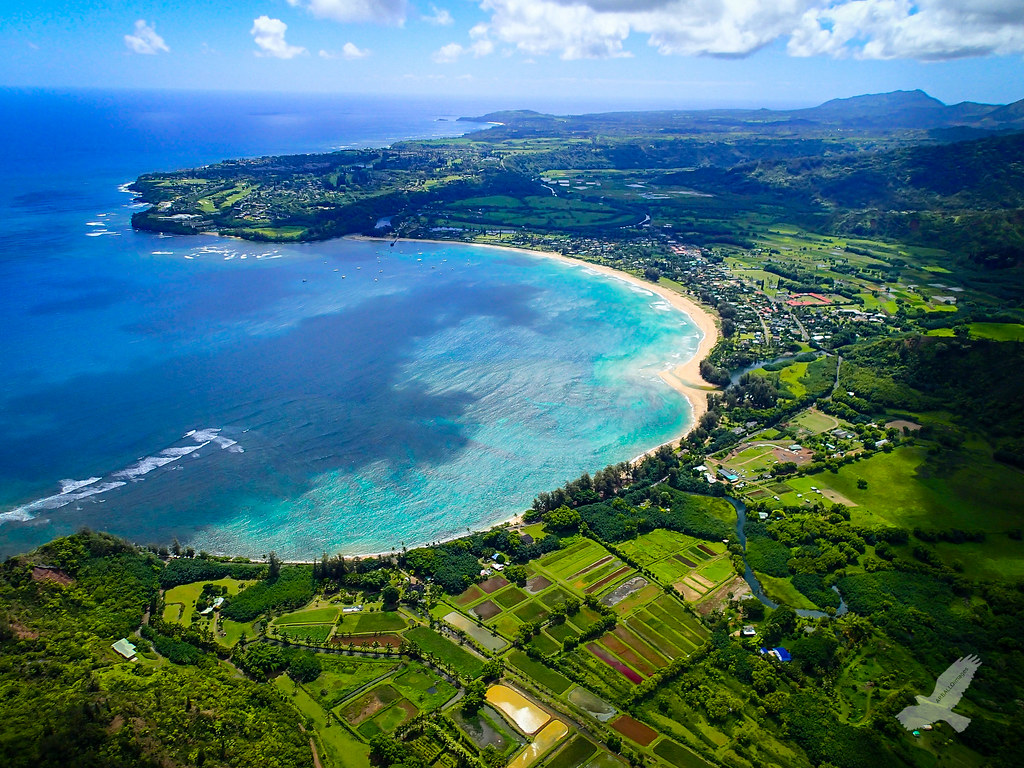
[684, 378]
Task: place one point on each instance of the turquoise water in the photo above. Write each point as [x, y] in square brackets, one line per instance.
[342, 396]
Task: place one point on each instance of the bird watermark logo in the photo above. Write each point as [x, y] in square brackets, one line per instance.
[939, 706]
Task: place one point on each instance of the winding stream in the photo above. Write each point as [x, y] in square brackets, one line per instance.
[751, 579]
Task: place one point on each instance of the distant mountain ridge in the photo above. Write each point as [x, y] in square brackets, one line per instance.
[892, 111]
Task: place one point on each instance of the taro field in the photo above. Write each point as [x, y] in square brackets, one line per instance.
[694, 568]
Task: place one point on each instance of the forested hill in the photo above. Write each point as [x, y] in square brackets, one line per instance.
[68, 701]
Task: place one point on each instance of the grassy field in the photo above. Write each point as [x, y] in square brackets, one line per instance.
[540, 673]
[783, 592]
[186, 595]
[342, 748]
[423, 687]
[311, 616]
[317, 633]
[366, 622]
[342, 676]
[903, 491]
[429, 641]
[993, 331]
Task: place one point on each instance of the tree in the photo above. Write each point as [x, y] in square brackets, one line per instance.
[390, 595]
[275, 565]
[305, 667]
[476, 693]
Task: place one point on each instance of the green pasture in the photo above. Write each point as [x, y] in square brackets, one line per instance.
[186, 596]
[783, 592]
[423, 687]
[904, 491]
[316, 633]
[993, 331]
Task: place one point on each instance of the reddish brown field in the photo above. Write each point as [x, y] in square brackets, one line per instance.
[493, 584]
[470, 595]
[487, 610]
[537, 584]
[627, 654]
[367, 641]
[639, 646]
[607, 580]
[634, 730]
[590, 567]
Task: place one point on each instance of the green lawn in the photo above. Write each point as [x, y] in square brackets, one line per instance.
[783, 592]
[994, 331]
[188, 594]
[423, 687]
[317, 633]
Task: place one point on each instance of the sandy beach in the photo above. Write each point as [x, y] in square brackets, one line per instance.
[685, 378]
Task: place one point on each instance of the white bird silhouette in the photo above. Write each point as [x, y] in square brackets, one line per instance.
[939, 706]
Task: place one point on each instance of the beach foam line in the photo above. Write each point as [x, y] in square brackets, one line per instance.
[75, 490]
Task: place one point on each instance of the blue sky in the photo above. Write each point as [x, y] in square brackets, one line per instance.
[652, 52]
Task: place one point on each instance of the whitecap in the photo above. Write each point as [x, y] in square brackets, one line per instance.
[69, 486]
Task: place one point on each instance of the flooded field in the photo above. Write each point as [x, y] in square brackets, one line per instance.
[597, 707]
[553, 733]
[484, 636]
[527, 716]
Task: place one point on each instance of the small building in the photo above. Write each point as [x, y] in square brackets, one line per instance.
[762, 515]
[526, 538]
[748, 630]
[125, 648]
[728, 475]
[779, 653]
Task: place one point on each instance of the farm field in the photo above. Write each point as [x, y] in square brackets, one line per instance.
[446, 651]
[692, 566]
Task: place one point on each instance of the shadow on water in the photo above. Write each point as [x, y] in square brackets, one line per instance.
[751, 579]
[334, 392]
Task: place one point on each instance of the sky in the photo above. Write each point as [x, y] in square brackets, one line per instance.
[526, 53]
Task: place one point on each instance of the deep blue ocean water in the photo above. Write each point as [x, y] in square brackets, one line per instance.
[342, 396]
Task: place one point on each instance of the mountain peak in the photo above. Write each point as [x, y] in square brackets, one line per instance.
[915, 99]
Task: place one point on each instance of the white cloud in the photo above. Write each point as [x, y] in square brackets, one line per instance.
[351, 51]
[482, 45]
[439, 16]
[268, 35]
[870, 29]
[378, 11]
[145, 39]
[448, 54]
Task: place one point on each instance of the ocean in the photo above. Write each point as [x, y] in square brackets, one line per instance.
[343, 396]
